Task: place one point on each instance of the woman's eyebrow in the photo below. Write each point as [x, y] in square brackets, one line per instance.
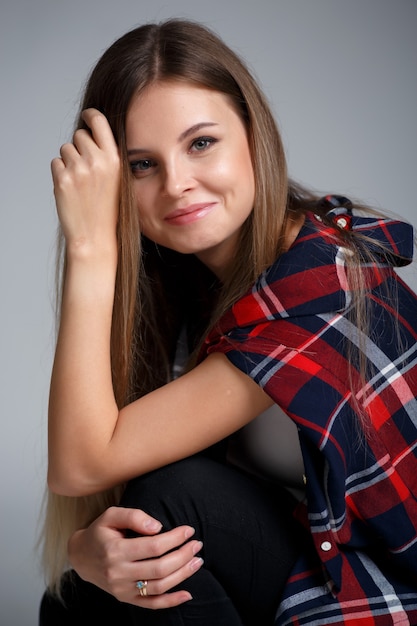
[195, 128]
[189, 131]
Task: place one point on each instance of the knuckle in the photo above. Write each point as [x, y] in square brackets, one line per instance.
[159, 587]
[115, 160]
[62, 181]
[111, 577]
[97, 167]
[78, 133]
[109, 513]
[112, 552]
[110, 557]
[96, 116]
[155, 546]
[158, 570]
[112, 156]
[129, 516]
[65, 147]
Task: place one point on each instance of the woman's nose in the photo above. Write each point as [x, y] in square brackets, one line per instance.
[177, 178]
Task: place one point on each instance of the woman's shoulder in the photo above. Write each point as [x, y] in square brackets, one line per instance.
[303, 280]
[310, 278]
[389, 240]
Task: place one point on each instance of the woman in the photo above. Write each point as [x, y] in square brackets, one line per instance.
[188, 250]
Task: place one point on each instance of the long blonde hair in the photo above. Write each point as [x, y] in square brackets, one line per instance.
[148, 283]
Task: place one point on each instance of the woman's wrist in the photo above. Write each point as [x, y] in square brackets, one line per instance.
[85, 250]
[91, 270]
[73, 547]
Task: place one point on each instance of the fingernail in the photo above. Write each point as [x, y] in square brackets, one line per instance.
[197, 547]
[196, 563]
[152, 524]
[189, 532]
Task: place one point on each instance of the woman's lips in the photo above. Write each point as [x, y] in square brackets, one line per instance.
[189, 214]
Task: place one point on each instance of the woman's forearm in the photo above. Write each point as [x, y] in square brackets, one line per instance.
[82, 407]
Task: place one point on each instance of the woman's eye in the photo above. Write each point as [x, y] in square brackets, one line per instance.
[202, 143]
[141, 166]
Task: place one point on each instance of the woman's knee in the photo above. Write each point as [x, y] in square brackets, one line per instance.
[203, 493]
[170, 493]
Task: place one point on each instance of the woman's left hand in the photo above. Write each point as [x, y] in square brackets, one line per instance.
[103, 556]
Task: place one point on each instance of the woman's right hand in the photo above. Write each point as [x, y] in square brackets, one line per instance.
[87, 184]
[102, 555]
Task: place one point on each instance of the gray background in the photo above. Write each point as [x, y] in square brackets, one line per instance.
[341, 75]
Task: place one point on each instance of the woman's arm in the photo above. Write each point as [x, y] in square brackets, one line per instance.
[102, 555]
[93, 446]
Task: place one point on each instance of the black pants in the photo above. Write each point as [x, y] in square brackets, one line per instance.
[250, 544]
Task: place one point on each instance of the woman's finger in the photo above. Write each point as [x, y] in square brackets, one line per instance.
[164, 567]
[155, 546]
[100, 128]
[84, 142]
[69, 154]
[119, 517]
[160, 586]
[153, 593]
[166, 601]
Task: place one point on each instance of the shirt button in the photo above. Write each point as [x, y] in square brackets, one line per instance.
[342, 223]
[326, 546]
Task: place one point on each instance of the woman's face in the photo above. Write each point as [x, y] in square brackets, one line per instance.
[193, 176]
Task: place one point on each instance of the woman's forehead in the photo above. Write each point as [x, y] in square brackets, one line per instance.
[176, 106]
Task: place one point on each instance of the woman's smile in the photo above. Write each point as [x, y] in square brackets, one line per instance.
[193, 176]
[190, 213]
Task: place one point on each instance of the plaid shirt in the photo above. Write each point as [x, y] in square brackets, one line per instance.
[291, 335]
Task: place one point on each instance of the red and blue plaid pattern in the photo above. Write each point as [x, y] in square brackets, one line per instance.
[291, 334]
